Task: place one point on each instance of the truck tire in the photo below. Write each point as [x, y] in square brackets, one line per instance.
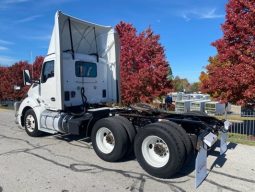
[128, 126]
[159, 150]
[109, 139]
[31, 125]
[130, 129]
[184, 137]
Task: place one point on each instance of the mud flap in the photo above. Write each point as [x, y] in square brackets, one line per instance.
[201, 160]
[223, 142]
[201, 165]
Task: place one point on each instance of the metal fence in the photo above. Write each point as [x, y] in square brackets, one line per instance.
[243, 126]
[8, 104]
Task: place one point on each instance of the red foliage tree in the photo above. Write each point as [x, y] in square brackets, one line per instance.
[13, 76]
[10, 77]
[144, 69]
[3, 83]
[37, 66]
[231, 77]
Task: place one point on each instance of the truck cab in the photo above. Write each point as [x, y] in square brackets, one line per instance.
[81, 68]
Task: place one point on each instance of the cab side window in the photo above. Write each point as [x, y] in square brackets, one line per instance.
[48, 71]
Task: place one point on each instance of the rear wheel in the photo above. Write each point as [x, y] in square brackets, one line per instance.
[159, 150]
[109, 139]
[31, 125]
[183, 135]
[130, 129]
[155, 151]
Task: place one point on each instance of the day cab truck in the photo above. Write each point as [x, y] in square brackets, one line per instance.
[76, 94]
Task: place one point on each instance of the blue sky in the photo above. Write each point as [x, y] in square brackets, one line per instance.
[186, 27]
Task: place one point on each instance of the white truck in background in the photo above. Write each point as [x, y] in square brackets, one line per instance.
[80, 79]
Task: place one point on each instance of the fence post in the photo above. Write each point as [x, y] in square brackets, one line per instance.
[226, 106]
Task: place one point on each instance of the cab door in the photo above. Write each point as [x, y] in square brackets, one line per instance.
[48, 85]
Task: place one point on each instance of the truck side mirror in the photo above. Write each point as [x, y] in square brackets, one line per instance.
[26, 77]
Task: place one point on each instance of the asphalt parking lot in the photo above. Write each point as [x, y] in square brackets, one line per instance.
[63, 163]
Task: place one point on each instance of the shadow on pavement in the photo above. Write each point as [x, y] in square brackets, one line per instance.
[70, 138]
[187, 168]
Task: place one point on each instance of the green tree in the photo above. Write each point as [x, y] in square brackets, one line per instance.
[180, 84]
[194, 87]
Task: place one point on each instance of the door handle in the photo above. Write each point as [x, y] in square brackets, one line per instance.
[52, 99]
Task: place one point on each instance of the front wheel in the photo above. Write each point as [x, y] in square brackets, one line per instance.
[31, 125]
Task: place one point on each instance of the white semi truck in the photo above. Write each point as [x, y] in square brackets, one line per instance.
[80, 78]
